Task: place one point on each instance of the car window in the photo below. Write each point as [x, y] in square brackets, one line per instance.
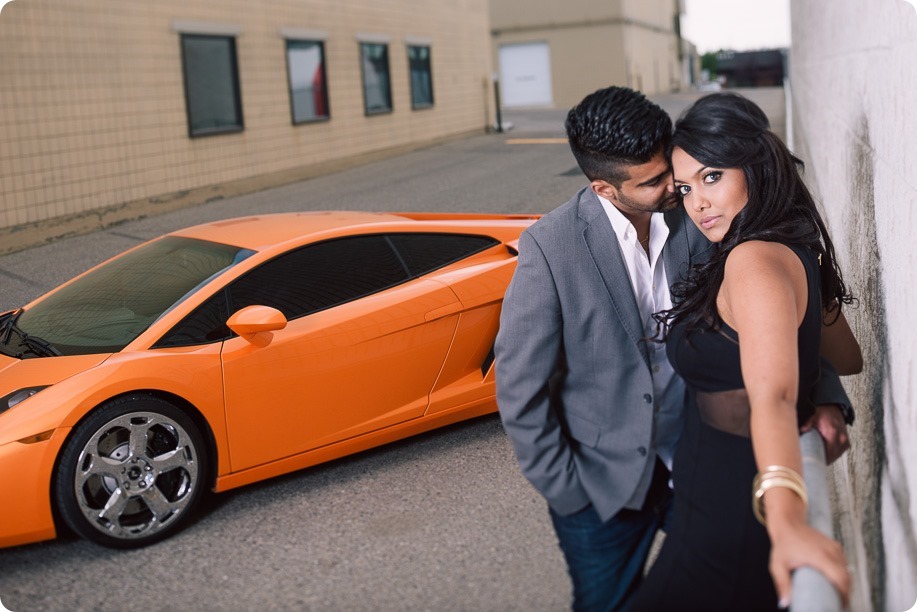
[323, 275]
[205, 324]
[320, 276]
[424, 253]
[107, 308]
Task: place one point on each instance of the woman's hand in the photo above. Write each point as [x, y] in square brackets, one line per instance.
[801, 545]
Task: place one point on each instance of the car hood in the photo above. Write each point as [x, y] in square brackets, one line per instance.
[18, 374]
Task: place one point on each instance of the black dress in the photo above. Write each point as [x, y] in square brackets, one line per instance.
[715, 556]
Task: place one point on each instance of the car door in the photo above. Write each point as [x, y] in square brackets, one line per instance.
[361, 350]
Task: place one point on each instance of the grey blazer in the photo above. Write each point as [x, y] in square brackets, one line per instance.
[574, 386]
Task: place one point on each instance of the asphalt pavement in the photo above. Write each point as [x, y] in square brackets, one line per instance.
[441, 521]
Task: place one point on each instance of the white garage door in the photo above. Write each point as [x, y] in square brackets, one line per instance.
[525, 75]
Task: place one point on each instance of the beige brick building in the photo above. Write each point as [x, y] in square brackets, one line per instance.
[551, 54]
[110, 109]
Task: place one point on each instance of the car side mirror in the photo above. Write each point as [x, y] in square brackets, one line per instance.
[255, 323]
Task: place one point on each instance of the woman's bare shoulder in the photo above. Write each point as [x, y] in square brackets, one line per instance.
[759, 274]
[757, 257]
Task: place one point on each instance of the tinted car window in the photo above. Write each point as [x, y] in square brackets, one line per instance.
[324, 275]
[424, 253]
[320, 276]
[205, 324]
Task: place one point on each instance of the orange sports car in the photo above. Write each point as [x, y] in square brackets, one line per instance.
[238, 350]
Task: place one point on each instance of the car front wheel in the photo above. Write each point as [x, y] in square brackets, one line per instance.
[132, 473]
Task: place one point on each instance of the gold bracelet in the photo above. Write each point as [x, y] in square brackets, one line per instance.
[771, 483]
[776, 476]
[781, 470]
[774, 471]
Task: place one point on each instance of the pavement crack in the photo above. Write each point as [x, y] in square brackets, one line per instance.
[128, 236]
[21, 279]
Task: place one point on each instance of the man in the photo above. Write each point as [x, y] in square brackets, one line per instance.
[592, 407]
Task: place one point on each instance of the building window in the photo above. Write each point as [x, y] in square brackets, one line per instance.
[308, 90]
[377, 87]
[212, 96]
[421, 76]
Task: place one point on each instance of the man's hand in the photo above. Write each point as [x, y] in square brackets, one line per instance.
[829, 422]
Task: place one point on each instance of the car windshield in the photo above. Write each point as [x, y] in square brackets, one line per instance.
[106, 309]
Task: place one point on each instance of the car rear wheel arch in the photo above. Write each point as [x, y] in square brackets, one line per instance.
[169, 418]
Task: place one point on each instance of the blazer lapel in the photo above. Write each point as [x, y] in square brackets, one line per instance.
[676, 255]
[603, 246]
[685, 246]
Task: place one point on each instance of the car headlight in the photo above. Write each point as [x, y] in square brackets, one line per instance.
[11, 399]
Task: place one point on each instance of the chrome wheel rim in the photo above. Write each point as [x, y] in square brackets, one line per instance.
[136, 475]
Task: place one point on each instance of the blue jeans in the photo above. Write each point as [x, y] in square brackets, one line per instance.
[606, 559]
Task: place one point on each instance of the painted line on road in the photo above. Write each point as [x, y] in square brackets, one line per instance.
[514, 141]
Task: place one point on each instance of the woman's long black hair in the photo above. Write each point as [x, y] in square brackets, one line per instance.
[726, 130]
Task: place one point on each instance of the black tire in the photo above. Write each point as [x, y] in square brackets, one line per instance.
[140, 457]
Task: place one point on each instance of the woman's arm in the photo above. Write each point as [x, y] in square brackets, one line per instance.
[764, 297]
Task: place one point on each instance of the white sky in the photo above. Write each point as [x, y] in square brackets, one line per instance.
[736, 24]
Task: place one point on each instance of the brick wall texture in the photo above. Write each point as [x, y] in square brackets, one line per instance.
[92, 101]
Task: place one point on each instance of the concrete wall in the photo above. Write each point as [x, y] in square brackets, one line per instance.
[594, 44]
[538, 13]
[651, 48]
[92, 101]
[583, 58]
[853, 70]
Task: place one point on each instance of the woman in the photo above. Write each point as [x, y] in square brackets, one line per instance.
[746, 335]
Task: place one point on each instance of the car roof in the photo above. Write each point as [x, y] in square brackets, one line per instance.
[261, 231]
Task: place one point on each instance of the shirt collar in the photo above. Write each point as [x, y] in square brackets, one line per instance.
[627, 233]
[619, 223]
[625, 230]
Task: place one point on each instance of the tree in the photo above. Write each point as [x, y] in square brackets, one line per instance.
[708, 62]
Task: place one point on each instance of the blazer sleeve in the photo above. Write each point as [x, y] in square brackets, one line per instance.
[528, 352]
[829, 390]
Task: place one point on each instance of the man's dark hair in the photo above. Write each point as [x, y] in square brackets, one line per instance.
[614, 128]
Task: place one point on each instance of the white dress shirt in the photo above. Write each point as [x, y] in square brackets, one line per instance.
[651, 290]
